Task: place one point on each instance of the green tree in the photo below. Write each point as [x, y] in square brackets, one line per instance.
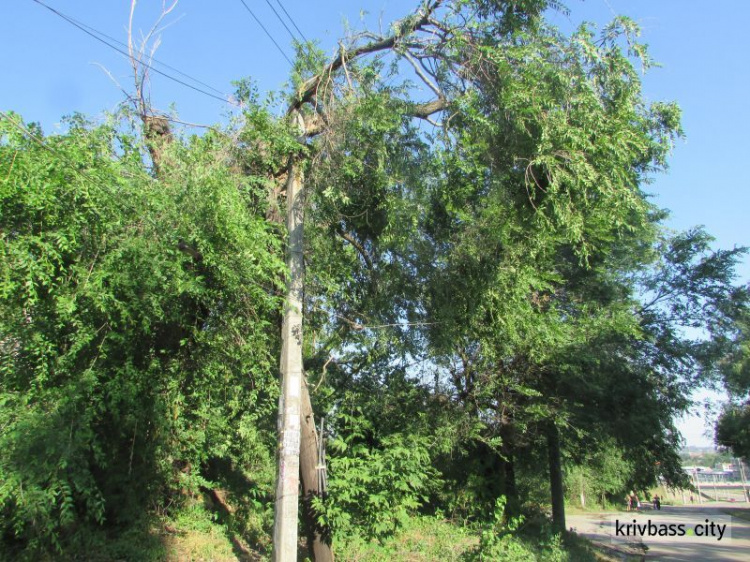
[538, 163]
[539, 190]
[733, 427]
[136, 321]
[493, 233]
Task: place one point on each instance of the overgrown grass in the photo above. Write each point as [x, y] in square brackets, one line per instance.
[421, 539]
[738, 512]
[198, 534]
[194, 534]
[430, 538]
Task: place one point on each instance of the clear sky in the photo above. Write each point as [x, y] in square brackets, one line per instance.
[51, 69]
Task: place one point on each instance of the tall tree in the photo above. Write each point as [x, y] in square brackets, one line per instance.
[544, 144]
[733, 425]
[425, 36]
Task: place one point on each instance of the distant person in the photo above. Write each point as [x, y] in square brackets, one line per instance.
[691, 498]
[633, 503]
[656, 500]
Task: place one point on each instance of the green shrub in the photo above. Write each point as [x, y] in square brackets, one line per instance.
[137, 331]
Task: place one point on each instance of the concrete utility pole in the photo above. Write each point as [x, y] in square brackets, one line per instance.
[296, 427]
[744, 483]
[287, 485]
[698, 485]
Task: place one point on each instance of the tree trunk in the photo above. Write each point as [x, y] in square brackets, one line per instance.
[318, 536]
[513, 505]
[556, 477]
[287, 485]
[157, 134]
[509, 488]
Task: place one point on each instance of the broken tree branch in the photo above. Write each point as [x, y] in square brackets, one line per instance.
[408, 26]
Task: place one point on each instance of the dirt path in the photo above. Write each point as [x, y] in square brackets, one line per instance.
[700, 532]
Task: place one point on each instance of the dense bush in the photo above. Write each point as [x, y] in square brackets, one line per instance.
[137, 330]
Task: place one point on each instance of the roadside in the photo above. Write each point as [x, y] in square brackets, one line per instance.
[723, 532]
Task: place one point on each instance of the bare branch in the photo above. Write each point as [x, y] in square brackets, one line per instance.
[142, 55]
[407, 27]
[114, 80]
[165, 11]
[343, 65]
[357, 246]
[433, 122]
[421, 73]
[323, 374]
[156, 129]
[134, 60]
[424, 110]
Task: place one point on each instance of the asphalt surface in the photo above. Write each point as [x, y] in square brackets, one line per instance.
[698, 532]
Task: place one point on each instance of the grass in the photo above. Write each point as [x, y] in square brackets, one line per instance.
[738, 512]
[423, 539]
[198, 546]
[426, 539]
[199, 534]
[195, 535]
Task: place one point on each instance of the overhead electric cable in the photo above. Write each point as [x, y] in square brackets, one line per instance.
[153, 59]
[263, 27]
[291, 19]
[83, 27]
[278, 16]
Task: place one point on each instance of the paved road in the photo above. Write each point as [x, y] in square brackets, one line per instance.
[609, 529]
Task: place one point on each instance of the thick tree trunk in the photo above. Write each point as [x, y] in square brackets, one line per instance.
[287, 485]
[318, 537]
[556, 477]
[513, 505]
[510, 489]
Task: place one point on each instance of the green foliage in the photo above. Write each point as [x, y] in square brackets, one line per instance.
[432, 538]
[522, 247]
[733, 429]
[735, 365]
[540, 197]
[509, 256]
[498, 541]
[137, 330]
[380, 467]
[373, 490]
[598, 475]
[421, 539]
[505, 538]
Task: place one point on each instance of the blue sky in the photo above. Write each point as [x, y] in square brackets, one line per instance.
[51, 69]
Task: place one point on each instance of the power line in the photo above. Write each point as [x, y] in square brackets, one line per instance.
[263, 27]
[93, 34]
[157, 61]
[292, 20]
[294, 38]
